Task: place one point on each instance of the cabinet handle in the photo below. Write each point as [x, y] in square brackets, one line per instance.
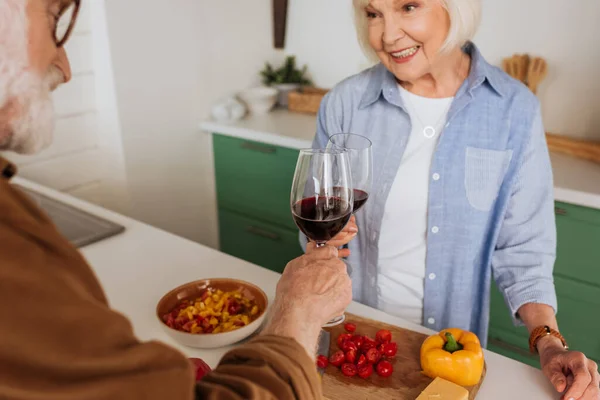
[560, 211]
[259, 147]
[511, 347]
[262, 233]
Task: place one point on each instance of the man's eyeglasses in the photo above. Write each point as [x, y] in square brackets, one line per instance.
[66, 22]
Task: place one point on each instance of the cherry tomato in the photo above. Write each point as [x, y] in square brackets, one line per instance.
[381, 348]
[365, 371]
[351, 356]
[322, 361]
[349, 345]
[350, 327]
[200, 367]
[337, 358]
[373, 356]
[342, 338]
[349, 369]
[383, 336]
[362, 360]
[358, 339]
[390, 349]
[384, 368]
[367, 344]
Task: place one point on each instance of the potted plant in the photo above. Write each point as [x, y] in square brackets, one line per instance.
[285, 78]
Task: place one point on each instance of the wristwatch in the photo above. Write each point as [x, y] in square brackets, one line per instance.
[542, 331]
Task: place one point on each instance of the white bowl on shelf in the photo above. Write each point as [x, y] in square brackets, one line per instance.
[260, 100]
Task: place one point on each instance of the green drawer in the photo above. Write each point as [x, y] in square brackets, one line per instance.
[501, 325]
[257, 242]
[578, 250]
[255, 179]
[578, 305]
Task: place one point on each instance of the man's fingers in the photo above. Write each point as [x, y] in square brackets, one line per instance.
[581, 381]
[593, 390]
[322, 253]
[559, 381]
[310, 247]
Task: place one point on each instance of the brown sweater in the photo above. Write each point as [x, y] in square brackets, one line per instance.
[60, 340]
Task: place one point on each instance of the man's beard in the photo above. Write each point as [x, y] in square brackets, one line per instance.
[24, 95]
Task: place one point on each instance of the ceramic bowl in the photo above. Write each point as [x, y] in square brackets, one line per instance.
[260, 100]
[194, 290]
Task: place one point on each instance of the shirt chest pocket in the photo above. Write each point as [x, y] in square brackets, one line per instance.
[484, 172]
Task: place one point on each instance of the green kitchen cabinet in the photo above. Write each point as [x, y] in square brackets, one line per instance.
[256, 241]
[578, 249]
[255, 179]
[253, 182]
[577, 281]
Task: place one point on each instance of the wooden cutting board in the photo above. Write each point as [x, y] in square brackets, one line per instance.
[407, 381]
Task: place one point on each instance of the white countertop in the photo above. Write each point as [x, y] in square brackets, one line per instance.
[576, 181]
[137, 267]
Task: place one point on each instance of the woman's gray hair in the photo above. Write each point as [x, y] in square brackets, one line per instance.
[465, 16]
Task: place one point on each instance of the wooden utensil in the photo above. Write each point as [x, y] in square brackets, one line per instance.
[407, 381]
[584, 149]
[511, 67]
[537, 72]
[517, 66]
[524, 61]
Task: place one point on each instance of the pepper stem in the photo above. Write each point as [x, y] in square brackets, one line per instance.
[451, 344]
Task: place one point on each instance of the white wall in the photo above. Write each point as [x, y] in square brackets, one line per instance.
[85, 159]
[321, 34]
[171, 63]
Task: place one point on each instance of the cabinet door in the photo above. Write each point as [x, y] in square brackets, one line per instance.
[255, 179]
[578, 250]
[578, 305]
[502, 332]
[258, 242]
[578, 315]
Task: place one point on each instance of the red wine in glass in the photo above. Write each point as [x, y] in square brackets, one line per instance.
[360, 198]
[321, 218]
[360, 158]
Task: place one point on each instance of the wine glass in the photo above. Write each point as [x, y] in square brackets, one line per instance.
[322, 198]
[360, 158]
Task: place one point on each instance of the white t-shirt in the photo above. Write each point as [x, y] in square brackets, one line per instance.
[403, 237]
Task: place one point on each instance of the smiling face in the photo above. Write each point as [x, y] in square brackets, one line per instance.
[407, 35]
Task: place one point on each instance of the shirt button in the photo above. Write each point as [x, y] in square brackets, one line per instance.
[436, 177]
[431, 321]
[448, 124]
[435, 229]
[431, 276]
[374, 236]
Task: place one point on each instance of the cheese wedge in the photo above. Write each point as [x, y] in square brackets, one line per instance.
[441, 389]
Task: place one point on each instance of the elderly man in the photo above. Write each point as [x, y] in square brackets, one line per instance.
[58, 337]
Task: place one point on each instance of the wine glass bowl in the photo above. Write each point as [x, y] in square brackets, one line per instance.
[360, 158]
[322, 198]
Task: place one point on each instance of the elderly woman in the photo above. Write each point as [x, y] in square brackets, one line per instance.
[462, 181]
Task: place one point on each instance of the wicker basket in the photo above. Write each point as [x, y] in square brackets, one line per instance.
[306, 100]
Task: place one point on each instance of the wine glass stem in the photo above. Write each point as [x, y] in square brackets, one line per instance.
[339, 319]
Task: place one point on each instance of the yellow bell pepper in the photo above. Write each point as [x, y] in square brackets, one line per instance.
[454, 355]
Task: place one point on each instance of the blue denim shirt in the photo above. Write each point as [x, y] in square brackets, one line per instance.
[490, 209]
